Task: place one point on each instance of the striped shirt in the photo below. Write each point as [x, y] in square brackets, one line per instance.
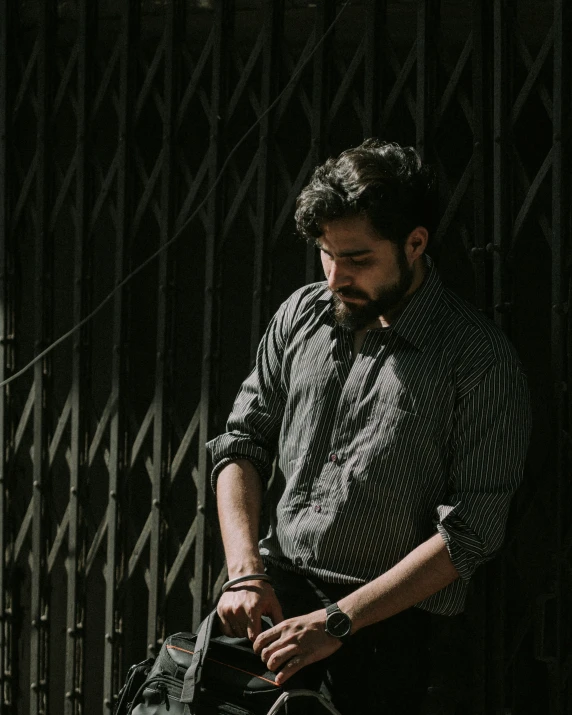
[426, 430]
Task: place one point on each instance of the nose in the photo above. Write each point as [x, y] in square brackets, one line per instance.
[337, 277]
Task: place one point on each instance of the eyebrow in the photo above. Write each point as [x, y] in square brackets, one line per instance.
[347, 254]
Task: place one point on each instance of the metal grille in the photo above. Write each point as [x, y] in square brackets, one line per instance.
[116, 119]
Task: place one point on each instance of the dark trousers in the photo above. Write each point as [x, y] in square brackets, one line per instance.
[382, 670]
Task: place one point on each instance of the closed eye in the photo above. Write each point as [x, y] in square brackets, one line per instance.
[359, 261]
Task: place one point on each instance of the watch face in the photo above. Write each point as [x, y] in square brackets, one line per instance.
[338, 624]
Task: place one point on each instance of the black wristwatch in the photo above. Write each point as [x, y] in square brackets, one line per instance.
[338, 623]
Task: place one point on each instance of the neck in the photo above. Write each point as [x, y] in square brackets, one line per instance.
[419, 273]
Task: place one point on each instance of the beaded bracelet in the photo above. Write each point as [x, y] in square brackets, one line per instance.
[250, 577]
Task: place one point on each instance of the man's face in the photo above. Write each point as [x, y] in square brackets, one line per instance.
[368, 276]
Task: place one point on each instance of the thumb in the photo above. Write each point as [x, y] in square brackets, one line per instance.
[254, 627]
[275, 611]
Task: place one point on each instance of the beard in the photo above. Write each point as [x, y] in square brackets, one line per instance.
[388, 301]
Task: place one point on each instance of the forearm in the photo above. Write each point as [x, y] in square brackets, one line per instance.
[239, 498]
[423, 572]
[299, 641]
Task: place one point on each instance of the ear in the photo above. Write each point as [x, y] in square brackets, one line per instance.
[416, 243]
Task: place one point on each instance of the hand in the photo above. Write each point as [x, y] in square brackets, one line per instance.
[241, 608]
[295, 643]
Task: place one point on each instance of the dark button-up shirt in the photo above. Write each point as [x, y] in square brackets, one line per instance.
[426, 430]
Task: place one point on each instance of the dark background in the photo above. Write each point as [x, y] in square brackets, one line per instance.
[116, 118]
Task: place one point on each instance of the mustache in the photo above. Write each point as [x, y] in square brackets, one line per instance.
[349, 293]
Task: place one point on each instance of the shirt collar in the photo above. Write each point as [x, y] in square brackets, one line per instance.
[323, 305]
[415, 323]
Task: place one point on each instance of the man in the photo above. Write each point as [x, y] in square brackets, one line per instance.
[399, 419]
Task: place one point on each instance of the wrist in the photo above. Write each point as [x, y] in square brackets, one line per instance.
[243, 568]
[346, 606]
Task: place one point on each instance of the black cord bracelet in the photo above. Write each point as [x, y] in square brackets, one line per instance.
[241, 579]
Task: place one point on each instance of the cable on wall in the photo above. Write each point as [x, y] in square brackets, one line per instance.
[182, 229]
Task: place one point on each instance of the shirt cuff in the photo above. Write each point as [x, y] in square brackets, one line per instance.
[465, 548]
[257, 464]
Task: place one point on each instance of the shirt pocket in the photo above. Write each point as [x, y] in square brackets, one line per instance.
[399, 452]
[390, 429]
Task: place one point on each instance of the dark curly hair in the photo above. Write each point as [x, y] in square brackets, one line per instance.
[383, 181]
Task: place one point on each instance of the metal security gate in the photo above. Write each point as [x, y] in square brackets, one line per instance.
[121, 119]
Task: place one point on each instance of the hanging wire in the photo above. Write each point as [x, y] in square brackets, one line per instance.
[182, 229]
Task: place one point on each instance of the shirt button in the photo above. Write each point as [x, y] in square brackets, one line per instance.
[317, 507]
[333, 457]
[298, 560]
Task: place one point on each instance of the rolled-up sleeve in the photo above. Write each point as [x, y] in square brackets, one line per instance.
[487, 449]
[254, 424]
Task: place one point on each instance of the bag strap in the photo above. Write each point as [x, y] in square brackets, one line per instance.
[194, 671]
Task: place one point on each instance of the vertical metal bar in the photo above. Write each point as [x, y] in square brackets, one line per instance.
[477, 620]
[272, 28]
[500, 153]
[324, 15]
[157, 565]
[5, 694]
[481, 25]
[112, 648]
[560, 251]
[8, 588]
[496, 640]
[428, 12]
[480, 204]
[74, 649]
[224, 11]
[494, 643]
[38, 645]
[376, 14]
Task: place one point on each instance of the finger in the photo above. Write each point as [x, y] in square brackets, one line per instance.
[275, 612]
[264, 639]
[254, 626]
[265, 653]
[239, 630]
[291, 667]
[230, 623]
[279, 657]
[225, 626]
